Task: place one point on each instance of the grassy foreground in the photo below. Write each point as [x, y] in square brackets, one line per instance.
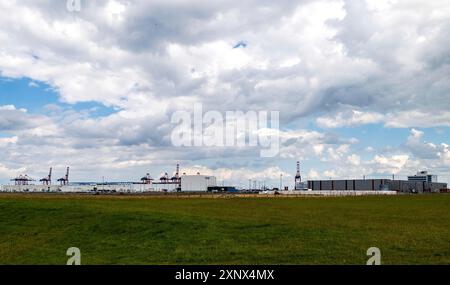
[144, 230]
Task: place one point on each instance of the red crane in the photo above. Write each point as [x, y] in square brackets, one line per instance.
[64, 180]
[22, 180]
[176, 178]
[47, 180]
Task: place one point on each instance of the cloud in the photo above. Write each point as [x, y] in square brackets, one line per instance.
[4, 142]
[401, 119]
[350, 118]
[33, 84]
[334, 63]
[422, 149]
[413, 155]
[7, 173]
[241, 175]
[416, 118]
[313, 55]
[392, 164]
[12, 119]
[300, 144]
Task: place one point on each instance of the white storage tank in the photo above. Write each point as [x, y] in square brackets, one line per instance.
[191, 183]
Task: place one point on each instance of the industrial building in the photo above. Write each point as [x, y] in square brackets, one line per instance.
[167, 184]
[176, 183]
[423, 176]
[354, 184]
[408, 186]
[24, 183]
[194, 183]
[422, 182]
[405, 186]
[184, 183]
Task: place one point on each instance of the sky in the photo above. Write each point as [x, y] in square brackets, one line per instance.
[362, 87]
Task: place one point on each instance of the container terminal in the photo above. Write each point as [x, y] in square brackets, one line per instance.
[422, 182]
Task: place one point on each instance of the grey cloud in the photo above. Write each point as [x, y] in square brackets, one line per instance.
[304, 58]
[12, 119]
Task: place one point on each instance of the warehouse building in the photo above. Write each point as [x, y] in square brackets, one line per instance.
[197, 183]
[406, 186]
[354, 184]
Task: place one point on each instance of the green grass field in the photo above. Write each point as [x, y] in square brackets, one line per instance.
[143, 230]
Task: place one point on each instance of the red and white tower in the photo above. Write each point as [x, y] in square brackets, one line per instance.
[298, 178]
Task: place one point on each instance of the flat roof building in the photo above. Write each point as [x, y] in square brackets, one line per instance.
[423, 176]
[408, 186]
[194, 183]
